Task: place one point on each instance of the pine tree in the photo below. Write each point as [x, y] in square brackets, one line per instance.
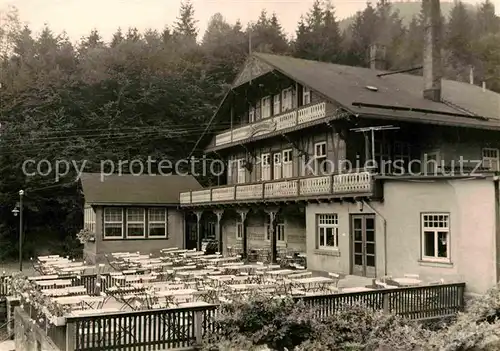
[458, 43]
[185, 26]
[117, 38]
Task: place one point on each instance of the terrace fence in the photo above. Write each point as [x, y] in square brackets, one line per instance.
[182, 328]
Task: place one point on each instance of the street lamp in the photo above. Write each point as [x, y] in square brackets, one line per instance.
[19, 210]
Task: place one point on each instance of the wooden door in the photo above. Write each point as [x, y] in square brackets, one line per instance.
[363, 262]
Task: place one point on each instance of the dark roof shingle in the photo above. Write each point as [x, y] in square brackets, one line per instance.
[347, 85]
[130, 189]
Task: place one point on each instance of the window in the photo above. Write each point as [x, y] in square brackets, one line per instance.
[432, 161]
[436, 237]
[266, 166]
[277, 166]
[280, 229]
[276, 104]
[136, 222]
[306, 96]
[241, 171]
[287, 100]
[491, 159]
[328, 231]
[113, 222]
[239, 230]
[320, 158]
[287, 164]
[157, 223]
[89, 219]
[402, 157]
[251, 114]
[266, 107]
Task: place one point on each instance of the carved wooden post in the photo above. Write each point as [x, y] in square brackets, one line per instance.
[198, 234]
[219, 214]
[243, 213]
[272, 232]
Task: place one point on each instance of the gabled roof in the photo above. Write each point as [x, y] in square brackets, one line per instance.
[396, 94]
[135, 190]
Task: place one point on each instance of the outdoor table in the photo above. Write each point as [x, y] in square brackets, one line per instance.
[82, 313]
[180, 292]
[314, 283]
[407, 281]
[281, 272]
[70, 300]
[242, 287]
[194, 304]
[355, 289]
[47, 283]
[44, 277]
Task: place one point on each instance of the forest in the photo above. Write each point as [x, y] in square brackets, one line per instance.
[153, 93]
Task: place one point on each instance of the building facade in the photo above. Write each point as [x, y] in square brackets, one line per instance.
[130, 213]
[370, 173]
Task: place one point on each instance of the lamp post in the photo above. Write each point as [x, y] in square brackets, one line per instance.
[19, 210]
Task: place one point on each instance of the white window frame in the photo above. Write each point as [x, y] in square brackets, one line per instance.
[89, 219]
[287, 164]
[251, 114]
[287, 99]
[306, 96]
[266, 107]
[491, 159]
[241, 171]
[143, 223]
[428, 224]
[239, 229]
[320, 158]
[326, 221]
[265, 166]
[277, 171]
[276, 104]
[157, 223]
[112, 224]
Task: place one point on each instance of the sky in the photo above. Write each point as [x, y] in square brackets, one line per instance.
[78, 17]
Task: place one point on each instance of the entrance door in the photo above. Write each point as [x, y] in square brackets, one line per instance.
[190, 227]
[363, 245]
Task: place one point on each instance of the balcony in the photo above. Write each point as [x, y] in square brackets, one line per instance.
[339, 185]
[283, 121]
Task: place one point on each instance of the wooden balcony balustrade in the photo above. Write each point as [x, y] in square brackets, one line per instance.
[283, 121]
[338, 184]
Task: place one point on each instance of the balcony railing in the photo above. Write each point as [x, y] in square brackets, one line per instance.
[283, 121]
[339, 184]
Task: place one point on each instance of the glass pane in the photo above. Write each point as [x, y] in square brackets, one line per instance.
[370, 249]
[157, 229]
[370, 261]
[442, 244]
[358, 260]
[358, 235]
[358, 247]
[429, 249]
[370, 235]
[330, 237]
[370, 223]
[357, 224]
[322, 236]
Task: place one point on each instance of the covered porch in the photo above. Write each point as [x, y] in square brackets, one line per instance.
[260, 232]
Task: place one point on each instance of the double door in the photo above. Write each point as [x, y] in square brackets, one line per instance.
[363, 250]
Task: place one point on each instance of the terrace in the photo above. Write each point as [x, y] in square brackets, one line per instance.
[303, 188]
[167, 302]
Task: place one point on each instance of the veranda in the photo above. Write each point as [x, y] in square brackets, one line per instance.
[169, 302]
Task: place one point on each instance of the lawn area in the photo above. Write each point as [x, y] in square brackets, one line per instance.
[13, 267]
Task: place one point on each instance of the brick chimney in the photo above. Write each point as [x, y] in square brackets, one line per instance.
[432, 50]
[377, 57]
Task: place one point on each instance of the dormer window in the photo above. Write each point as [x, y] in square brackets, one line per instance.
[266, 107]
[251, 114]
[276, 104]
[306, 96]
[287, 100]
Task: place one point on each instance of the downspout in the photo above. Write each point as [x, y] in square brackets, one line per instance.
[496, 182]
[385, 233]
